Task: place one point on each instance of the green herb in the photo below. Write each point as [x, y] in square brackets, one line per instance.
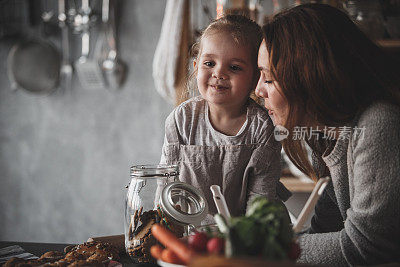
[264, 231]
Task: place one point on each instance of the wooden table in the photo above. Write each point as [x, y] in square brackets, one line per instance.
[38, 249]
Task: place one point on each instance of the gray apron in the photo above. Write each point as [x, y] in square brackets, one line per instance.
[228, 166]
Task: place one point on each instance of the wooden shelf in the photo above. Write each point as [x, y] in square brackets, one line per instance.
[295, 185]
[391, 46]
[389, 43]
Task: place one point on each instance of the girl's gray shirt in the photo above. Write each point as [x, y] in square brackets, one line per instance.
[243, 165]
[357, 219]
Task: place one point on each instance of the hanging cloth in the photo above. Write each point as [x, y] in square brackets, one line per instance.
[167, 54]
[181, 74]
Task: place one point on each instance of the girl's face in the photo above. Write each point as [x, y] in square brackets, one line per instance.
[225, 74]
[269, 90]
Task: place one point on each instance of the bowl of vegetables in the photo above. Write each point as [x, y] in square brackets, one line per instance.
[263, 234]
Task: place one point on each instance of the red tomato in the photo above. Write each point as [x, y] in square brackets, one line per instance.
[216, 245]
[198, 241]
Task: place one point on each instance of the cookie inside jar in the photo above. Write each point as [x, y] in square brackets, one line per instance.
[140, 238]
[155, 196]
[142, 201]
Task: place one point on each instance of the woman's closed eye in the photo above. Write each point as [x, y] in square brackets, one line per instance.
[265, 77]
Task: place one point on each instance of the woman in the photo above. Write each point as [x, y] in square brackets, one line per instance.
[333, 88]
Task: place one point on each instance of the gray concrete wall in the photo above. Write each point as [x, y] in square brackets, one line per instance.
[65, 158]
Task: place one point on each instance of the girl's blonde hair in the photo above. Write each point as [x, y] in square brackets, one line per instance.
[243, 30]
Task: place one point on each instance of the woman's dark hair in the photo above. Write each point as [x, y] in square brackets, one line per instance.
[327, 69]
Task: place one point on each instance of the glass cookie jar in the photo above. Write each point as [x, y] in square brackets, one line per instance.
[156, 196]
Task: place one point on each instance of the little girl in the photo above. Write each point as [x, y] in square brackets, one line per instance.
[222, 136]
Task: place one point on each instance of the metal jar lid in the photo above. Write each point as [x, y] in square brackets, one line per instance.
[184, 203]
[154, 170]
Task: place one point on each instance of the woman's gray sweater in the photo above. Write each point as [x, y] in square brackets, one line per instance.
[357, 219]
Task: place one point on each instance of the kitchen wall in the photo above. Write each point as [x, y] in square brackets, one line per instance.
[65, 158]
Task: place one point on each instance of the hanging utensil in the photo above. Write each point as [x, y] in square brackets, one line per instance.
[34, 63]
[88, 69]
[113, 68]
[105, 11]
[66, 67]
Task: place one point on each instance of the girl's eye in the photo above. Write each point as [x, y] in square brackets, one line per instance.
[268, 82]
[235, 68]
[208, 63]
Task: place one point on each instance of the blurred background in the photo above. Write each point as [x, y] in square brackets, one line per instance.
[81, 102]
